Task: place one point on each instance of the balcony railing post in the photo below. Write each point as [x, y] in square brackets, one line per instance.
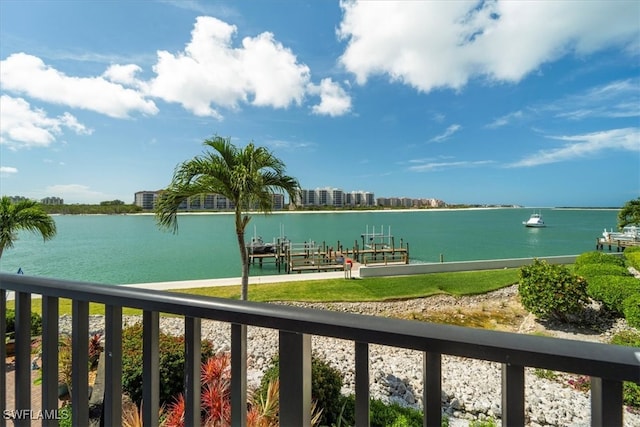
[295, 379]
[3, 355]
[512, 395]
[432, 389]
[113, 366]
[362, 383]
[238, 375]
[606, 402]
[150, 367]
[49, 359]
[193, 356]
[22, 373]
[80, 363]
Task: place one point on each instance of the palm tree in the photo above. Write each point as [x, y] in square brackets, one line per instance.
[247, 176]
[629, 214]
[23, 215]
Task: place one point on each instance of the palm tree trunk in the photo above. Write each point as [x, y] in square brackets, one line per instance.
[245, 266]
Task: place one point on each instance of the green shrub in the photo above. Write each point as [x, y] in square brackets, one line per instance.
[631, 310]
[628, 338]
[551, 291]
[589, 271]
[596, 257]
[383, 415]
[171, 363]
[630, 391]
[613, 290]
[36, 323]
[326, 386]
[490, 422]
[632, 256]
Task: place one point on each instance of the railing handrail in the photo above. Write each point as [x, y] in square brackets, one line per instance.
[606, 361]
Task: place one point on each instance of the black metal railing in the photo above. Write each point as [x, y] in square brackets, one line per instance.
[607, 365]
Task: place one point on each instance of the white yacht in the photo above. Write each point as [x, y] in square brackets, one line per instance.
[535, 220]
[628, 233]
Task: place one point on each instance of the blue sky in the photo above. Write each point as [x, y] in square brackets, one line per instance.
[529, 103]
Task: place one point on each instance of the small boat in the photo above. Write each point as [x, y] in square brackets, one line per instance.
[258, 246]
[535, 220]
[629, 233]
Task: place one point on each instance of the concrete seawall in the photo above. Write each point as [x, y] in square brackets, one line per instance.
[442, 267]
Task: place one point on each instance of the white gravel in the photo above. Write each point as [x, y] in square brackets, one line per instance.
[470, 388]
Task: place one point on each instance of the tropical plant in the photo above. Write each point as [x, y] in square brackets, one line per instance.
[630, 213]
[23, 215]
[247, 176]
[552, 291]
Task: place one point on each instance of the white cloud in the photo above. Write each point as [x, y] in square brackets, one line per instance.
[586, 145]
[431, 45]
[616, 99]
[7, 170]
[505, 120]
[22, 126]
[123, 74]
[334, 101]
[446, 134]
[438, 166]
[26, 74]
[212, 74]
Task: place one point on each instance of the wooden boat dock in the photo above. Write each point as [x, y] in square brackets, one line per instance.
[375, 249]
[619, 245]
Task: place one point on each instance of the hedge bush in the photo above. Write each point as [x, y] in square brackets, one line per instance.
[592, 270]
[631, 310]
[632, 256]
[613, 290]
[630, 391]
[596, 257]
[383, 415]
[36, 323]
[552, 291]
[171, 363]
[326, 387]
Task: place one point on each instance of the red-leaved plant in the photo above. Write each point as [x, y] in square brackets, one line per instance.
[215, 395]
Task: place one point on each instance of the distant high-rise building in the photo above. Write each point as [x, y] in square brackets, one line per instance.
[52, 201]
[146, 199]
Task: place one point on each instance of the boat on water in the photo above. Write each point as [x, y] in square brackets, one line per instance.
[258, 246]
[629, 233]
[535, 221]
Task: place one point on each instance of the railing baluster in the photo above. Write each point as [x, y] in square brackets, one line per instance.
[192, 362]
[22, 374]
[150, 367]
[113, 366]
[512, 395]
[432, 389]
[3, 355]
[606, 402]
[295, 379]
[49, 358]
[238, 375]
[80, 363]
[362, 383]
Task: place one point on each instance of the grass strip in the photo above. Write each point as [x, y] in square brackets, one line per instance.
[344, 290]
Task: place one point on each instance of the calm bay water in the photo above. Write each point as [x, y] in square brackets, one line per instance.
[132, 249]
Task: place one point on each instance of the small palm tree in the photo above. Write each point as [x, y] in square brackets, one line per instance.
[23, 215]
[247, 176]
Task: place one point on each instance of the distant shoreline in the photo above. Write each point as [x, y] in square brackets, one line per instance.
[355, 211]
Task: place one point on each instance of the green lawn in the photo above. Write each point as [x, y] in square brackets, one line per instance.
[371, 289]
[344, 290]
